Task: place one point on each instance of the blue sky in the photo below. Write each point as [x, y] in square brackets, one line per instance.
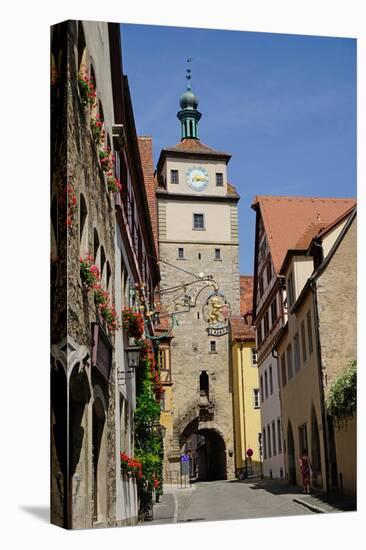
[284, 106]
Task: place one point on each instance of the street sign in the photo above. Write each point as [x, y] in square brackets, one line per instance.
[184, 458]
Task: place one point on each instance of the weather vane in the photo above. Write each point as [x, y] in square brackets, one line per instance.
[188, 75]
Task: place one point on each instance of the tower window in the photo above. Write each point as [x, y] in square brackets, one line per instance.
[204, 383]
[213, 346]
[256, 398]
[219, 179]
[174, 176]
[199, 255]
[198, 221]
[217, 254]
[180, 253]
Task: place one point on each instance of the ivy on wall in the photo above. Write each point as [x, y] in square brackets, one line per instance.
[148, 443]
[342, 399]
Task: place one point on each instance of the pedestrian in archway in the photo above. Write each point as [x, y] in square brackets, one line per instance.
[305, 467]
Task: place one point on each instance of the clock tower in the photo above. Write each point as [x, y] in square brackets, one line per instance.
[198, 238]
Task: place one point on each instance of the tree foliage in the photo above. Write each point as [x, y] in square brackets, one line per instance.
[342, 399]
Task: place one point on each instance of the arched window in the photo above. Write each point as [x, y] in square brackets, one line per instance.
[83, 226]
[54, 227]
[101, 118]
[204, 383]
[96, 248]
[109, 273]
[100, 110]
[102, 265]
[82, 53]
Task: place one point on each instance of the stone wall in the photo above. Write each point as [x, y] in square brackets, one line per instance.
[190, 348]
[337, 307]
[84, 170]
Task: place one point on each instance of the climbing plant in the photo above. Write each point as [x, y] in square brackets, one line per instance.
[342, 401]
[148, 443]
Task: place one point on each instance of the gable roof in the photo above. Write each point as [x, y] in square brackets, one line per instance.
[311, 231]
[147, 163]
[246, 294]
[240, 329]
[190, 145]
[290, 220]
[193, 148]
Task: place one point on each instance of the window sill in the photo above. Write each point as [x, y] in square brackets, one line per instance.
[217, 259]
[213, 352]
[198, 229]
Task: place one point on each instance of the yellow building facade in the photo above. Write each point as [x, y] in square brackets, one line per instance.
[245, 387]
[246, 403]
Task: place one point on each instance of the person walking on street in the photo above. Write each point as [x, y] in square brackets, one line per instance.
[305, 467]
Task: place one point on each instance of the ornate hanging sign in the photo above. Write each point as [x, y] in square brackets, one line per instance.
[216, 313]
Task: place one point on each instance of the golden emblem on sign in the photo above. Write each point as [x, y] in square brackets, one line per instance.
[216, 313]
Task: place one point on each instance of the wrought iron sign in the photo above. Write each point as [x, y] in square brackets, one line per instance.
[216, 312]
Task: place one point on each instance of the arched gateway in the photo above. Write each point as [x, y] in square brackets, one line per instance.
[207, 450]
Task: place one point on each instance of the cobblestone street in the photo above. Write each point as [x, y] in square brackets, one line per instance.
[225, 500]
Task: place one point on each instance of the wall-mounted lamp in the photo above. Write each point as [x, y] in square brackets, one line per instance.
[133, 360]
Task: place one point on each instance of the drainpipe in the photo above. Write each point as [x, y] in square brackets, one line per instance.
[321, 383]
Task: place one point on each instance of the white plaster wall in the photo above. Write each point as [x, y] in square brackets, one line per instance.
[179, 221]
[183, 165]
[302, 268]
[331, 238]
[271, 411]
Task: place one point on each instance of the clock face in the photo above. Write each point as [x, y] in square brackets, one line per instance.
[197, 178]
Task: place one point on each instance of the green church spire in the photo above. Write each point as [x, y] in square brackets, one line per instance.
[189, 116]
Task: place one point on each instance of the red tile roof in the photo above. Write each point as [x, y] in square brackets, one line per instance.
[241, 328]
[146, 154]
[165, 322]
[190, 145]
[287, 218]
[311, 231]
[246, 294]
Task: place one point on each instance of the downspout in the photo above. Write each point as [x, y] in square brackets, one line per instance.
[321, 383]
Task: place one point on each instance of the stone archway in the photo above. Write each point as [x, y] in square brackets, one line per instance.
[207, 450]
[291, 455]
[213, 465]
[99, 461]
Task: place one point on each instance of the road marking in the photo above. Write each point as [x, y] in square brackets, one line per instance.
[175, 517]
